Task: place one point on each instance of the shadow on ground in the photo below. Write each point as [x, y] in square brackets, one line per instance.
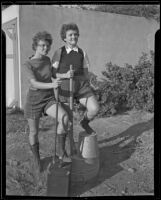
[111, 155]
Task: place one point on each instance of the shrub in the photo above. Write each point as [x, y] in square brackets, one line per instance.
[126, 87]
[147, 11]
[142, 96]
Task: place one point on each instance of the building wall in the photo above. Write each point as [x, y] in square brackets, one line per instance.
[9, 14]
[104, 36]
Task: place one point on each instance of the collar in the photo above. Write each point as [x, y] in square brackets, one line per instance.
[68, 49]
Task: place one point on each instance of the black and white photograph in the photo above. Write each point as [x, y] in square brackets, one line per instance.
[79, 99]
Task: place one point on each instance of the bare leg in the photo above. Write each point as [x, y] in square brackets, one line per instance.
[34, 142]
[61, 131]
[62, 118]
[34, 129]
[72, 142]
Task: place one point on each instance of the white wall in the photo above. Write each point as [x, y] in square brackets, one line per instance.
[9, 14]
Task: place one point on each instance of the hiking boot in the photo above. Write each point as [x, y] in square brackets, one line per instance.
[71, 139]
[65, 158]
[35, 150]
[74, 149]
[85, 125]
[61, 152]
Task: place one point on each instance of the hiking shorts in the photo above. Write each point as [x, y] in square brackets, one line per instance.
[81, 89]
[37, 102]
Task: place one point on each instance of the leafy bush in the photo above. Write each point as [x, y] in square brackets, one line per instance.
[143, 94]
[126, 87]
[147, 11]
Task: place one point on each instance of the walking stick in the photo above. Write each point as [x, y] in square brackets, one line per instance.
[71, 108]
[56, 125]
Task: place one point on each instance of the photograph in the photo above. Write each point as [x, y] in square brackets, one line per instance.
[79, 99]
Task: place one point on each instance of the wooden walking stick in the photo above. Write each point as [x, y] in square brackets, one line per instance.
[56, 125]
[71, 108]
[71, 90]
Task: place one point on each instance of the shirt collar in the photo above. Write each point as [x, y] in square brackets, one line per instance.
[68, 49]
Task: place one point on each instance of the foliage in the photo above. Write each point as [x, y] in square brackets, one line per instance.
[126, 87]
[4, 6]
[147, 11]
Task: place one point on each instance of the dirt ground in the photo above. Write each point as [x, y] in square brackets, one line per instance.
[126, 155]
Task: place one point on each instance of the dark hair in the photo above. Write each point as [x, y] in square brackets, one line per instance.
[45, 36]
[66, 27]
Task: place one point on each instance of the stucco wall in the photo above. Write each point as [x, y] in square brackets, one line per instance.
[104, 36]
[9, 14]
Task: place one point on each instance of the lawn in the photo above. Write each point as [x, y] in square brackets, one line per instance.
[126, 155]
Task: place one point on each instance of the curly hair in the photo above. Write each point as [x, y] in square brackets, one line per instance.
[44, 35]
[66, 27]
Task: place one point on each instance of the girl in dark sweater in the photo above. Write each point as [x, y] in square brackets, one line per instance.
[71, 54]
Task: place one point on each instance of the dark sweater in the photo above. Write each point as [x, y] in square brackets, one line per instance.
[73, 58]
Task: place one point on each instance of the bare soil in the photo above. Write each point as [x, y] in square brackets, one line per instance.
[126, 153]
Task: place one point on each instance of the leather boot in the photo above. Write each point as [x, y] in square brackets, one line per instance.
[71, 138]
[35, 151]
[85, 124]
[61, 152]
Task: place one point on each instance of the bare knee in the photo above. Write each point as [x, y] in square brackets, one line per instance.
[93, 109]
[33, 127]
[33, 137]
[63, 123]
[33, 133]
[33, 130]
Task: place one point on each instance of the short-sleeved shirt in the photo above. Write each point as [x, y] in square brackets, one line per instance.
[39, 69]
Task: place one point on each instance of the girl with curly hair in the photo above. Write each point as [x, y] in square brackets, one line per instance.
[40, 97]
[72, 54]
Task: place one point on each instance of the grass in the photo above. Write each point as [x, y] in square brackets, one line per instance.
[21, 178]
[15, 122]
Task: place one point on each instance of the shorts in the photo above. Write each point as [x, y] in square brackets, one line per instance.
[37, 102]
[81, 89]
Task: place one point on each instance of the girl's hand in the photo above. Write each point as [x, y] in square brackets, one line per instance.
[56, 82]
[70, 74]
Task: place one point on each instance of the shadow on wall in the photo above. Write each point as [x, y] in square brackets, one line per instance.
[112, 155]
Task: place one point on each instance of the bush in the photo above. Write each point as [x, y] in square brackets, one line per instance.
[143, 94]
[126, 87]
[147, 11]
